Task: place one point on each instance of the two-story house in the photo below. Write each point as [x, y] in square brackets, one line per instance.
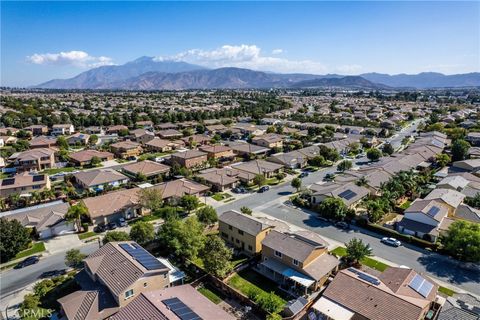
[126, 149]
[37, 129]
[189, 159]
[62, 129]
[299, 262]
[243, 232]
[113, 276]
[97, 180]
[33, 160]
[269, 140]
[218, 152]
[24, 184]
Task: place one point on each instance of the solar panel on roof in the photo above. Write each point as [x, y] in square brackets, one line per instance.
[433, 211]
[416, 282]
[347, 194]
[143, 257]
[180, 309]
[365, 277]
[421, 285]
[425, 288]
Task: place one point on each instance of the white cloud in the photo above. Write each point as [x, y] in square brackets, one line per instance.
[244, 56]
[76, 58]
[277, 51]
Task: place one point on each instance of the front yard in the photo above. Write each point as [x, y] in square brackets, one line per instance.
[369, 262]
[221, 196]
[36, 247]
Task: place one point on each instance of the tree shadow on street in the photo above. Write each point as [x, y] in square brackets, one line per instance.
[446, 267]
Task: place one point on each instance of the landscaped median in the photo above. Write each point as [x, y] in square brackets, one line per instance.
[367, 261]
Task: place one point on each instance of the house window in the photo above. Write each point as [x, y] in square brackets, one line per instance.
[224, 235]
[278, 254]
[295, 262]
[230, 227]
[129, 294]
[240, 232]
[250, 248]
[238, 241]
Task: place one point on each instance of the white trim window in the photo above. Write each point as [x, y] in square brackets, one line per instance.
[278, 254]
[295, 262]
[129, 294]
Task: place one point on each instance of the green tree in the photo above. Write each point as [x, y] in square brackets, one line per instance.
[142, 233]
[216, 257]
[442, 159]
[460, 150]
[95, 161]
[207, 215]
[259, 180]
[473, 202]
[74, 258]
[333, 208]
[184, 238]
[13, 238]
[357, 250]
[462, 241]
[270, 302]
[75, 215]
[62, 143]
[388, 149]
[373, 154]
[344, 165]
[246, 210]
[150, 198]
[296, 183]
[189, 202]
[41, 288]
[115, 236]
[93, 139]
[317, 161]
[30, 302]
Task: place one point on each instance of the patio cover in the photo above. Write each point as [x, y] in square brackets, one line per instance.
[332, 310]
[296, 276]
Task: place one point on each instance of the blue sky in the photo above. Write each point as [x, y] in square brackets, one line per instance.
[45, 40]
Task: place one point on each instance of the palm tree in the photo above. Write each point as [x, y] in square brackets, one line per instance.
[75, 214]
[362, 182]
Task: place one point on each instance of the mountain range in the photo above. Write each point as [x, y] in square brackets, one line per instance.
[147, 73]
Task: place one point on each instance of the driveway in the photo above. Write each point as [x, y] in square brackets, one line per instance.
[62, 243]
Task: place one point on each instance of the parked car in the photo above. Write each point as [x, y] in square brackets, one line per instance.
[27, 262]
[342, 225]
[122, 222]
[100, 228]
[112, 226]
[53, 273]
[264, 189]
[239, 190]
[391, 242]
[303, 175]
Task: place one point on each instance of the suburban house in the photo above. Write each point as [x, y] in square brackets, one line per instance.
[300, 263]
[42, 142]
[349, 193]
[37, 129]
[218, 152]
[98, 180]
[269, 140]
[425, 219]
[162, 145]
[220, 179]
[146, 124]
[78, 139]
[116, 129]
[290, 160]
[397, 293]
[169, 134]
[112, 277]
[126, 149]
[114, 205]
[457, 183]
[84, 157]
[62, 129]
[149, 169]
[7, 140]
[462, 306]
[248, 150]
[47, 220]
[197, 139]
[471, 165]
[243, 232]
[254, 167]
[24, 184]
[141, 135]
[451, 198]
[33, 160]
[175, 189]
[174, 303]
[473, 138]
[189, 159]
[95, 130]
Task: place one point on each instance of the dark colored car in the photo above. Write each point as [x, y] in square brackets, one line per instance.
[112, 226]
[342, 225]
[263, 189]
[27, 262]
[239, 190]
[53, 273]
[303, 175]
[100, 228]
[122, 222]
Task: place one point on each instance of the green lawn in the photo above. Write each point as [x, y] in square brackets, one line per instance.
[37, 247]
[247, 280]
[446, 291]
[239, 260]
[85, 235]
[152, 155]
[58, 170]
[405, 205]
[369, 262]
[221, 196]
[273, 181]
[212, 294]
